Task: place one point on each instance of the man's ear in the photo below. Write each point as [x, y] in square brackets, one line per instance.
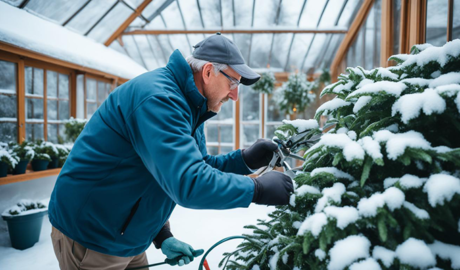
[207, 72]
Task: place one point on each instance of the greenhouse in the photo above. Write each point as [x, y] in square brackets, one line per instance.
[230, 134]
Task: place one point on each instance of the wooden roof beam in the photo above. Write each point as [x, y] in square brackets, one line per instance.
[127, 22]
[239, 31]
[350, 37]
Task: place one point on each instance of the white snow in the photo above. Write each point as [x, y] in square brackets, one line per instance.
[388, 182]
[417, 81]
[367, 264]
[409, 181]
[344, 215]
[397, 143]
[22, 29]
[351, 149]
[457, 101]
[301, 125]
[314, 224]
[409, 105]
[306, 189]
[352, 135]
[385, 73]
[449, 89]
[415, 253]
[392, 197]
[385, 255]
[339, 88]
[419, 213]
[333, 105]
[449, 78]
[320, 254]
[392, 88]
[346, 251]
[447, 252]
[334, 171]
[273, 260]
[371, 147]
[333, 193]
[364, 82]
[285, 258]
[342, 130]
[441, 187]
[362, 101]
[439, 54]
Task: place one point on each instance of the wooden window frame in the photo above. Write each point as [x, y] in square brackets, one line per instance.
[88, 76]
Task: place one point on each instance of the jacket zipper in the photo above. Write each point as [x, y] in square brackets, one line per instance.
[133, 211]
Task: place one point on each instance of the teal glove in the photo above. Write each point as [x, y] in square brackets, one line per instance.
[178, 252]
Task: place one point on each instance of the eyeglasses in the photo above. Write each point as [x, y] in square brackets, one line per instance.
[233, 82]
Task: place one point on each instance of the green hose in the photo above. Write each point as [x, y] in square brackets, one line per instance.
[215, 245]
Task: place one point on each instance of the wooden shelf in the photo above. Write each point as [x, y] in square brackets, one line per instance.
[29, 175]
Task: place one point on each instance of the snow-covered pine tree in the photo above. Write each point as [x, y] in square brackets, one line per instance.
[382, 189]
[296, 94]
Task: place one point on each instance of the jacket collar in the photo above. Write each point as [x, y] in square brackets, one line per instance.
[184, 78]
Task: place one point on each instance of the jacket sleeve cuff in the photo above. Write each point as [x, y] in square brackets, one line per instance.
[164, 234]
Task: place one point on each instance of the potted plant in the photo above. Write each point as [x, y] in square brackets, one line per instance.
[25, 222]
[25, 154]
[41, 158]
[73, 128]
[8, 159]
[63, 153]
[50, 149]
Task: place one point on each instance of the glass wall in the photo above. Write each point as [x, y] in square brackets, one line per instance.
[250, 101]
[219, 130]
[34, 97]
[436, 22]
[96, 92]
[57, 92]
[8, 102]
[273, 116]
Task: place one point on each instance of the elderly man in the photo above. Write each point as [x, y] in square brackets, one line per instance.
[144, 151]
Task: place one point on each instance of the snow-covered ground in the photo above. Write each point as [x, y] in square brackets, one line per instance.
[199, 228]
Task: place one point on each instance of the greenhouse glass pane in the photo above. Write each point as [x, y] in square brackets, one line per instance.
[250, 104]
[311, 13]
[8, 106]
[52, 109]
[332, 50]
[396, 25]
[57, 10]
[250, 134]
[86, 18]
[313, 54]
[34, 132]
[270, 130]
[298, 51]
[51, 83]
[63, 86]
[243, 12]
[166, 45]
[90, 109]
[226, 134]
[348, 12]
[34, 108]
[61, 132]
[133, 52]
[34, 81]
[213, 150]
[134, 3]
[273, 112]
[64, 110]
[110, 23]
[290, 11]
[180, 42]
[211, 13]
[331, 13]
[265, 14]
[260, 50]
[436, 22]
[117, 47]
[242, 41]
[7, 77]
[15, 3]
[227, 13]
[280, 50]
[80, 97]
[100, 92]
[52, 133]
[191, 14]
[225, 150]
[152, 7]
[8, 132]
[147, 52]
[212, 133]
[172, 17]
[456, 20]
[156, 24]
[91, 89]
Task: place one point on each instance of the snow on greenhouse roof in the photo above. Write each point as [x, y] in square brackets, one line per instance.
[22, 29]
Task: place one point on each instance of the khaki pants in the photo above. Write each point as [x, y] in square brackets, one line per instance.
[71, 255]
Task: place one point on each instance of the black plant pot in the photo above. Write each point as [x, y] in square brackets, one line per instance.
[39, 165]
[53, 163]
[25, 230]
[21, 167]
[3, 169]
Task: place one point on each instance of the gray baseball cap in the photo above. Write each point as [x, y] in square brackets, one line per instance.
[220, 49]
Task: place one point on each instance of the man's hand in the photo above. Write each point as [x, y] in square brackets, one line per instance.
[272, 188]
[259, 154]
[178, 252]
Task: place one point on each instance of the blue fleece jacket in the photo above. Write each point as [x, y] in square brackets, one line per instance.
[141, 153]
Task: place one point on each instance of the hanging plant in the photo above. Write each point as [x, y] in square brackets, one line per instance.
[296, 94]
[265, 84]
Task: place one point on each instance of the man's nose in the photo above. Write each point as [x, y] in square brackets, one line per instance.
[233, 95]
